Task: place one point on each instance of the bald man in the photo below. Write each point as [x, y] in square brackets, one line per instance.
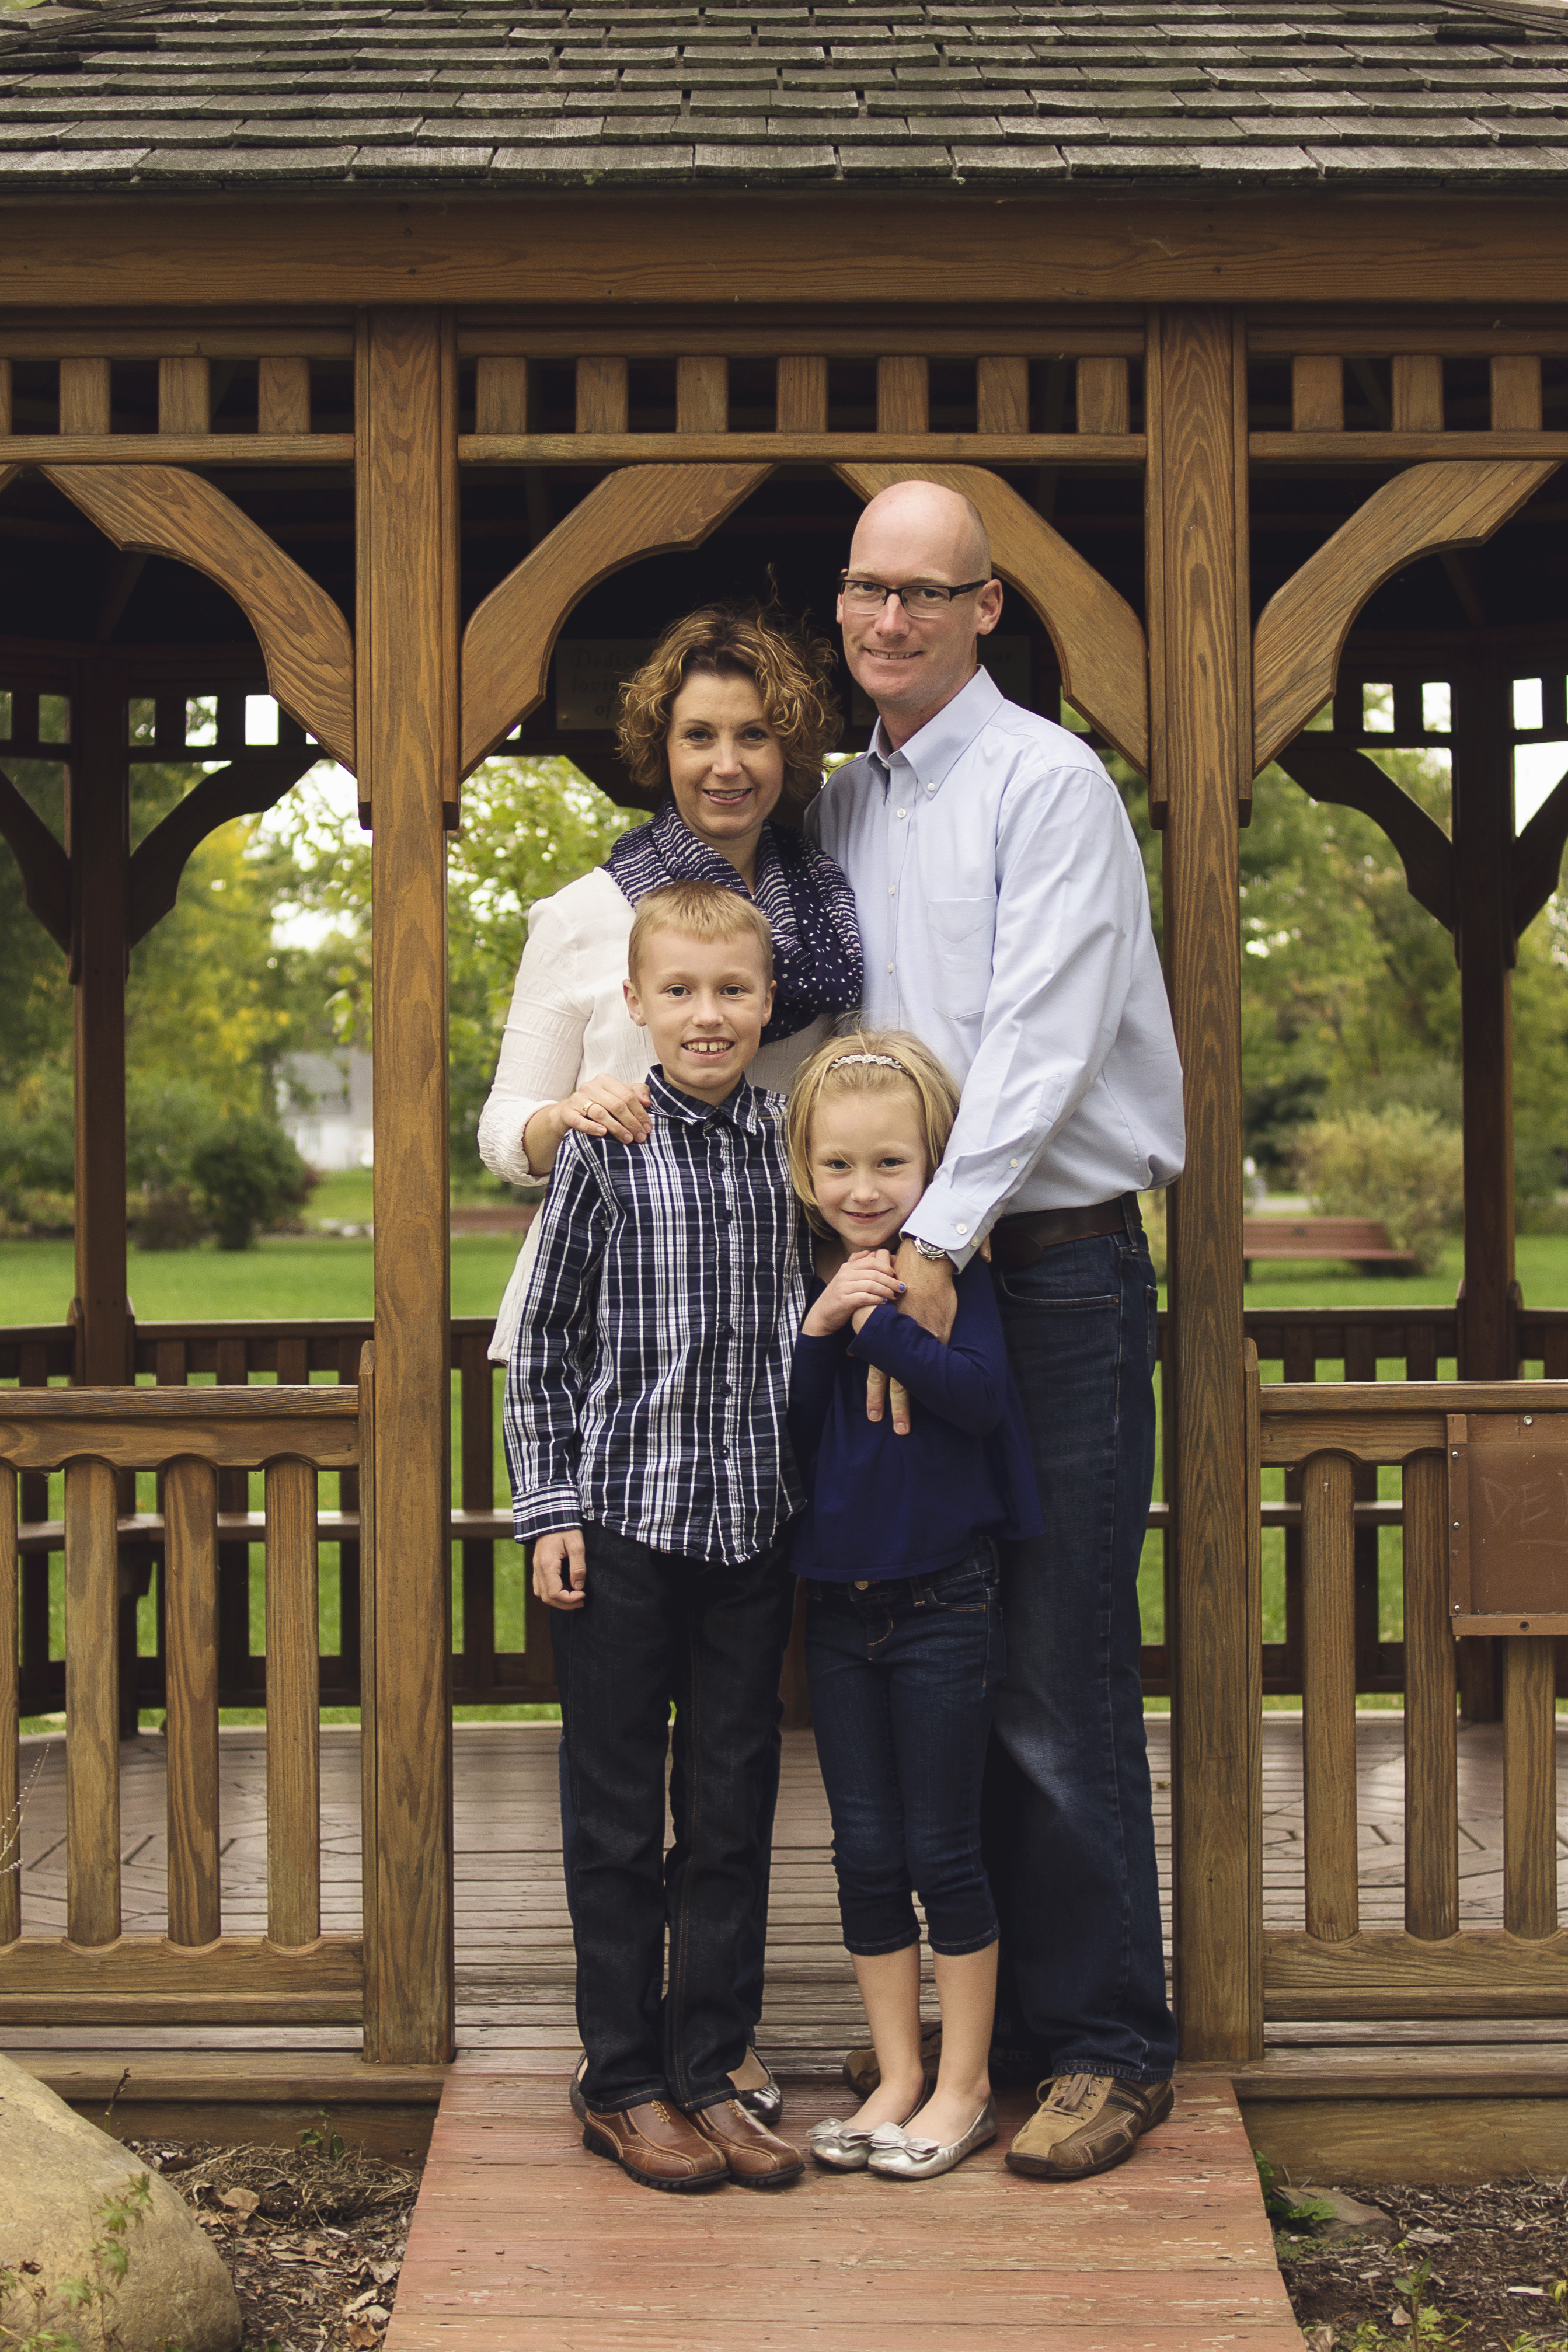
[1005, 922]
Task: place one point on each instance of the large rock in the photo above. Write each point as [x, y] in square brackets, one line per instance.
[56, 2170]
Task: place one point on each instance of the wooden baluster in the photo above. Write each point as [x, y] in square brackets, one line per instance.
[501, 396]
[4, 396]
[293, 1363]
[1299, 1363]
[85, 397]
[92, 1705]
[1002, 395]
[1516, 393]
[604, 396]
[293, 1738]
[702, 395]
[190, 1587]
[1253, 1467]
[1316, 394]
[1328, 1695]
[236, 1680]
[801, 395]
[478, 1470]
[1529, 1785]
[1420, 1353]
[1103, 399]
[903, 395]
[1418, 393]
[1431, 1758]
[283, 396]
[10, 1716]
[349, 1555]
[184, 396]
[1361, 1364]
[37, 1694]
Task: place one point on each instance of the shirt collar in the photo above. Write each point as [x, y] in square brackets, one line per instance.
[935, 750]
[742, 1108]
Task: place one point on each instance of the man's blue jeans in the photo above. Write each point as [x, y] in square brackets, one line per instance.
[1069, 1834]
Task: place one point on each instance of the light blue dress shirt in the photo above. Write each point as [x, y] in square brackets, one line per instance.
[1005, 918]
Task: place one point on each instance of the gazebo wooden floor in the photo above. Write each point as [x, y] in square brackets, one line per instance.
[521, 2239]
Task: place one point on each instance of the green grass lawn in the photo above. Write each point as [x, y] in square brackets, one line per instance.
[320, 1275]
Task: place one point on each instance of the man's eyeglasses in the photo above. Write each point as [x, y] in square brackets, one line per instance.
[921, 600]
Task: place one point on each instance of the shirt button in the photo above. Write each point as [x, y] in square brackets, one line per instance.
[1012, 1163]
[890, 967]
[900, 812]
[961, 1229]
[892, 889]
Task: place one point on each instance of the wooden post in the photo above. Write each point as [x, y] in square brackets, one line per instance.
[98, 840]
[1485, 945]
[1200, 730]
[408, 485]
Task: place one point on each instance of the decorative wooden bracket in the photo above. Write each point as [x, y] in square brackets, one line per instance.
[1538, 856]
[258, 782]
[1098, 639]
[1301, 633]
[304, 638]
[1334, 772]
[644, 511]
[46, 868]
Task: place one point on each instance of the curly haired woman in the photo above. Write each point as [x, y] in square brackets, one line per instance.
[731, 710]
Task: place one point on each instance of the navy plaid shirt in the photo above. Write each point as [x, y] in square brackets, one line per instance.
[650, 1379]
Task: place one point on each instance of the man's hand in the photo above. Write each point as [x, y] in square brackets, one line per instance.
[929, 1293]
[878, 1387]
[561, 1568]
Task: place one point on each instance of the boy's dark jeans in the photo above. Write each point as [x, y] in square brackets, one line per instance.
[656, 1627]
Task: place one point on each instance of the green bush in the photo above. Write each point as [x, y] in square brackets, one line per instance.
[165, 1217]
[1401, 1165]
[248, 1175]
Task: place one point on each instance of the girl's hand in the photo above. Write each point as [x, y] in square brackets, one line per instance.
[601, 1106]
[862, 1283]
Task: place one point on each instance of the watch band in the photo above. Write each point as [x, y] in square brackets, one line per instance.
[930, 1250]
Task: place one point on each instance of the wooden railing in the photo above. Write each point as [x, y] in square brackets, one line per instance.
[1365, 1343]
[292, 1434]
[1331, 1967]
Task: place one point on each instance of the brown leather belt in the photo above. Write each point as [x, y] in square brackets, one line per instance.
[1018, 1241]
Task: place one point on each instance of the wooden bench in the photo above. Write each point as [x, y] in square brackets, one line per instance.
[1362, 1240]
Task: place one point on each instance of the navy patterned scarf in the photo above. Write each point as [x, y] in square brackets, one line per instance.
[809, 905]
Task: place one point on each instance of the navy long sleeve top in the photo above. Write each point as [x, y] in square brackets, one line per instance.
[880, 1506]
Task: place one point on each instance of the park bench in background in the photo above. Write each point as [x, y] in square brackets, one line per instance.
[1362, 1240]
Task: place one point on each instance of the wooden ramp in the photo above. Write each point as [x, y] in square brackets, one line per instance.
[523, 2242]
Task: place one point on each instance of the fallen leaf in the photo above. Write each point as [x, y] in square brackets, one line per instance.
[243, 2201]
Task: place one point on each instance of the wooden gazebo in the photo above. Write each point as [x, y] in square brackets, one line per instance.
[378, 357]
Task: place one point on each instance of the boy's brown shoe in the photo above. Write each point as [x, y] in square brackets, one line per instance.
[757, 2158]
[655, 2146]
[863, 2074]
[1085, 2124]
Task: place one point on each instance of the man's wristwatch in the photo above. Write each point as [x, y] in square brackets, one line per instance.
[930, 1250]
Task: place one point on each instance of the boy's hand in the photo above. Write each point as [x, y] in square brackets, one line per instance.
[863, 1282]
[561, 1568]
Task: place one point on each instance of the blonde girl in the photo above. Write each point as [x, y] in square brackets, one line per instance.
[897, 1546]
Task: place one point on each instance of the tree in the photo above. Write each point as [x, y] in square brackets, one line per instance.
[529, 827]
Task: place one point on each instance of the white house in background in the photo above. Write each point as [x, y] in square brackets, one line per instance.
[324, 1101]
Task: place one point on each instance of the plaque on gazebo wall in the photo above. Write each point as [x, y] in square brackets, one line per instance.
[1507, 1522]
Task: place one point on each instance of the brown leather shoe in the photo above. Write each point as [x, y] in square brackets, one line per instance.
[1085, 2123]
[655, 2146]
[757, 2158]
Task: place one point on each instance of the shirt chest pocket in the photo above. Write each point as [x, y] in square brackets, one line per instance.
[962, 932]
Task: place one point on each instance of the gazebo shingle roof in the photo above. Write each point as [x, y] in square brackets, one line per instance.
[263, 95]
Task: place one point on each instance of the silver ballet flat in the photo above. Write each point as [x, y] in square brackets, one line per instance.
[841, 2147]
[899, 2155]
[764, 2100]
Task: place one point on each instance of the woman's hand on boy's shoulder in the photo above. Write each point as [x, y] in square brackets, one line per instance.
[863, 1283]
[561, 1568]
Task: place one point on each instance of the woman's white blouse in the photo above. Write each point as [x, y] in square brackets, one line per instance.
[569, 1022]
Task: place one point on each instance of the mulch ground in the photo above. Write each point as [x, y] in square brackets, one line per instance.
[1498, 2255]
[313, 2240]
